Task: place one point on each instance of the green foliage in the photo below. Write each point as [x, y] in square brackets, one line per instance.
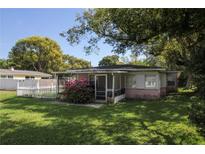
[134, 29]
[37, 53]
[41, 54]
[109, 61]
[134, 60]
[198, 68]
[155, 61]
[37, 121]
[78, 91]
[71, 62]
[197, 114]
[169, 37]
[4, 64]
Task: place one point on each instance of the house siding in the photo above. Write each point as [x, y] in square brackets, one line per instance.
[82, 76]
[163, 91]
[137, 89]
[132, 93]
[136, 80]
[163, 84]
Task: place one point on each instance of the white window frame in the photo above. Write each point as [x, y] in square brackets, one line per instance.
[130, 78]
[10, 76]
[3, 76]
[105, 75]
[152, 80]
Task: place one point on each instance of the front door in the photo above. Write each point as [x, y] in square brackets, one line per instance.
[100, 88]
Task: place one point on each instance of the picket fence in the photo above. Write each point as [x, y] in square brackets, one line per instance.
[44, 88]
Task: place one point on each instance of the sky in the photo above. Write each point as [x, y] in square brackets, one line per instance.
[16, 24]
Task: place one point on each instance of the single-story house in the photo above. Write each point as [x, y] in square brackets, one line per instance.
[113, 83]
[9, 78]
[22, 74]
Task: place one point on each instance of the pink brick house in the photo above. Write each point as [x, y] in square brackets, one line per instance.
[113, 83]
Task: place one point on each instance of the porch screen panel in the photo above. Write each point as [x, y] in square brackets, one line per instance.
[100, 87]
[100, 83]
[122, 81]
[117, 82]
[109, 81]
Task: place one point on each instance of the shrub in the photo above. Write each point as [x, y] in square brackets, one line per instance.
[197, 114]
[78, 91]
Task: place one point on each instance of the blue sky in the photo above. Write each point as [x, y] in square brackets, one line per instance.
[16, 24]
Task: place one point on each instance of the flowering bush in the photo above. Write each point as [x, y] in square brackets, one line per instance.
[78, 91]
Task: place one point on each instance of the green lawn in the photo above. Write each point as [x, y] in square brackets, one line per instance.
[34, 121]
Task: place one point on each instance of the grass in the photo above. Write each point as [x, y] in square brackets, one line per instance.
[36, 121]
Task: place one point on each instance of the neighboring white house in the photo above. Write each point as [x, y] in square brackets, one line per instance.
[10, 77]
[22, 74]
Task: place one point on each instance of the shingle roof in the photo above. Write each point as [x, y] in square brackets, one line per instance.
[128, 67]
[114, 68]
[23, 72]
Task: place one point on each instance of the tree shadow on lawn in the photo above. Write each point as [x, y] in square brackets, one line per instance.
[137, 122]
[58, 133]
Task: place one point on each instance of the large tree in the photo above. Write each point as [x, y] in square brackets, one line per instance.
[109, 60]
[71, 62]
[198, 67]
[4, 63]
[133, 29]
[37, 53]
[154, 32]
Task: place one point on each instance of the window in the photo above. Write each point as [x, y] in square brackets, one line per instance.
[171, 78]
[29, 77]
[131, 81]
[150, 81]
[10, 76]
[170, 83]
[3, 76]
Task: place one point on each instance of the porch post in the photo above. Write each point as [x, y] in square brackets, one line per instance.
[113, 86]
[95, 86]
[120, 81]
[57, 89]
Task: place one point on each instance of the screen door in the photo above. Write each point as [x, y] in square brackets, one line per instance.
[100, 87]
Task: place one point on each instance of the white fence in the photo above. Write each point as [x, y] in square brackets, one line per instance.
[8, 84]
[44, 88]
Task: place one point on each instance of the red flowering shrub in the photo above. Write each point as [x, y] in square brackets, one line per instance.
[78, 91]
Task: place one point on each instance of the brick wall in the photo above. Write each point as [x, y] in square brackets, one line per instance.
[142, 93]
[163, 91]
[82, 76]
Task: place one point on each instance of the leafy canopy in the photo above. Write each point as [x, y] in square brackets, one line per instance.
[41, 54]
[37, 53]
[71, 62]
[135, 29]
[169, 37]
[109, 61]
[5, 63]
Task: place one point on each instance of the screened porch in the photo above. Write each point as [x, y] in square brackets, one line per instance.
[108, 87]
